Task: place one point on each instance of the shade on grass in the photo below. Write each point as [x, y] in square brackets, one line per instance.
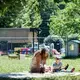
[44, 78]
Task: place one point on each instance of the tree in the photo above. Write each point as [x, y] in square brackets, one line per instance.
[66, 21]
[73, 37]
[46, 7]
[31, 17]
[9, 10]
[61, 17]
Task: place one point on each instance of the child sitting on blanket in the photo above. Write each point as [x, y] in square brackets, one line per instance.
[57, 66]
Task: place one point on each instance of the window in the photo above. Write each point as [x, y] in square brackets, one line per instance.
[72, 47]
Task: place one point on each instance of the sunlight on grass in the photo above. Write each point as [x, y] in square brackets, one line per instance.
[15, 65]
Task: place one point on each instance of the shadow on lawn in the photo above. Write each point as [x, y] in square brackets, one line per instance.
[13, 77]
[70, 57]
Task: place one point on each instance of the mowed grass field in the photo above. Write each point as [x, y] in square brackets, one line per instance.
[8, 65]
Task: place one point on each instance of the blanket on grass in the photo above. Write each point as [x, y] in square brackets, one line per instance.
[37, 75]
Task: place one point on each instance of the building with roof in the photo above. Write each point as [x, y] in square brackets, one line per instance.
[73, 48]
[14, 37]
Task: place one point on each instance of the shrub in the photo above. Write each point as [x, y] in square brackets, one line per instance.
[52, 39]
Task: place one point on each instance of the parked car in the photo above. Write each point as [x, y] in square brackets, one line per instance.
[1, 53]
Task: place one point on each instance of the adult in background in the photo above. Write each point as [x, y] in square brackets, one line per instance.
[38, 61]
[55, 52]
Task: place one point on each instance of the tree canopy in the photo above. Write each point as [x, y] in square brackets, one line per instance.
[66, 21]
[59, 17]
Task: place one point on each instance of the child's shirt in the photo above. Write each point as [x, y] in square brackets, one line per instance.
[57, 66]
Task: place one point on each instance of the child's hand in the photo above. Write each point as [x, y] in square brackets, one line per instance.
[48, 69]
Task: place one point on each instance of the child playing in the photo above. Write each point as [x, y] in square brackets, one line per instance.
[57, 65]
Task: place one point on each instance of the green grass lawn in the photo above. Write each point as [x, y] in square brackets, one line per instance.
[15, 65]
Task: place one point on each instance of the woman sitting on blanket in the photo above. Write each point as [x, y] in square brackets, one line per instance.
[38, 61]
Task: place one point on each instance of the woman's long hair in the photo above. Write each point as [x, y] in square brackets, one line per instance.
[43, 52]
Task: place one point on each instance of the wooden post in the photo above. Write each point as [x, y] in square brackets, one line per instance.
[33, 40]
[38, 39]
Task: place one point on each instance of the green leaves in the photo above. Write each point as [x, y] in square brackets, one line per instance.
[29, 16]
[62, 17]
[66, 21]
[21, 13]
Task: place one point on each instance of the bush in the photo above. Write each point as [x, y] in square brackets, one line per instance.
[52, 39]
